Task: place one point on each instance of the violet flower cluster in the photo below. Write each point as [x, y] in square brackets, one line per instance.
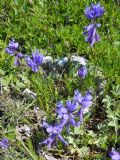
[54, 134]
[115, 155]
[69, 114]
[12, 50]
[82, 72]
[4, 143]
[93, 12]
[12, 47]
[50, 65]
[33, 62]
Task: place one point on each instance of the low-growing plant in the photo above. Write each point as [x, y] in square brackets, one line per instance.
[37, 91]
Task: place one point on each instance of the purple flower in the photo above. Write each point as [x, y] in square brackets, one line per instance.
[12, 47]
[17, 59]
[13, 44]
[35, 61]
[10, 51]
[87, 100]
[61, 110]
[94, 11]
[114, 155]
[4, 143]
[45, 124]
[82, 72]
[92, 36]
[71, 105]
[37, 57]
[66, 113]
[85, 103]
[77, 97]
[31, 64]
[54, 134]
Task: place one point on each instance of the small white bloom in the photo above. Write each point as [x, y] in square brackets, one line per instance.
[65, 59]
[47, 59]
[61, 63]
[86, 110]
[79, 59]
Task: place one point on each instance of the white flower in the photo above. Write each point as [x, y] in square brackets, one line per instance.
[79, 59]
[47, 59]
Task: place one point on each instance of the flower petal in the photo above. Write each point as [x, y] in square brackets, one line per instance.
[62, 140]
[50, 129]
[65, 116]
[72, 121]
